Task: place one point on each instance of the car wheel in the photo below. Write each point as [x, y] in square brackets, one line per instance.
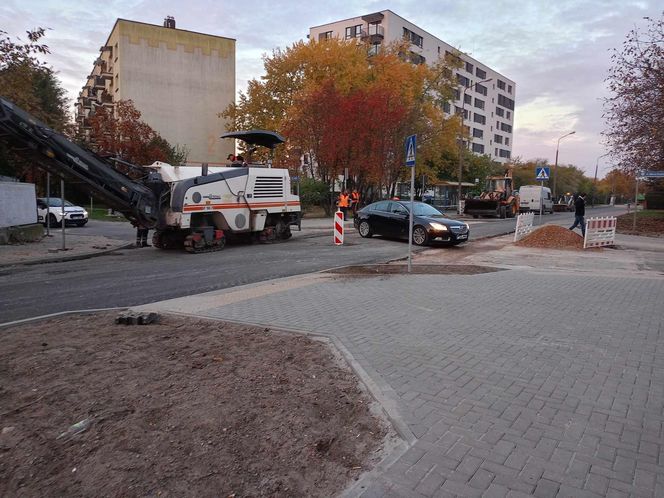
[52, 221]
[420, 236]
[365, 229]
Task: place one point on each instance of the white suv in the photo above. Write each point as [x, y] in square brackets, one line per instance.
[74, 215]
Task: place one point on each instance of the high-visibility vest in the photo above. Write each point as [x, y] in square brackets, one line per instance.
[355, 196]
[344, 201]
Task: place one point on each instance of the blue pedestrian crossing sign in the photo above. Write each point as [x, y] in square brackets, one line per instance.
[542, 174]
[411, 148]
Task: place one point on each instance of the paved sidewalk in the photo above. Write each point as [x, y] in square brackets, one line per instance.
[535, 380]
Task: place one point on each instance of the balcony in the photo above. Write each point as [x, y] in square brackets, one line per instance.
[98, 82]
[373, 33]
[106, 99]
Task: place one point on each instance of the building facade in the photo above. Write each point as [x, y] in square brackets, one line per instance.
[179, 80]
[487, 106]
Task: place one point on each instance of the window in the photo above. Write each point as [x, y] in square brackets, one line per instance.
[353, 31]
[500, 112]
[509, 115]
[478, 148]
[468, 99]
[481, 89]
[477, 133]
[498, 139]
[506, 127]
[457, 94]
[416, 58]
[479, 103]
[325, 36]
[446, 107]
[413, 38]
[507, 140]
[509, 89]
[496, 152]
[463, 80]
[501, 84]
[480, 73]
[381, 206]
[504, 153]
[479, 119]
[469, 67]
[457, 110]
[497, 125]
[505, 102]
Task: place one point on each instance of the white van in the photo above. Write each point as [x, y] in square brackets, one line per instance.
[530, 197]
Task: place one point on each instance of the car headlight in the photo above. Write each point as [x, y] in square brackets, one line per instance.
[85, 213]
[438, 227]
[467, 226]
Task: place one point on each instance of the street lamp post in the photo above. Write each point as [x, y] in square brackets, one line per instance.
[555, 166]
[463, 115]
[595, 179]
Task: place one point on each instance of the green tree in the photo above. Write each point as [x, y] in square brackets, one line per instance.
[33, 86]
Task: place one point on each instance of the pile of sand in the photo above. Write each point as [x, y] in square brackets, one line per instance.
[552, 237]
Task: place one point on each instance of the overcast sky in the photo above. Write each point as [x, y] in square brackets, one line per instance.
[557, 52]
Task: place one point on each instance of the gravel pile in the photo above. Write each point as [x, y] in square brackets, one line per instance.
[553, 237]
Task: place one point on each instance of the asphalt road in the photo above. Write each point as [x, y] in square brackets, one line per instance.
[140, 276]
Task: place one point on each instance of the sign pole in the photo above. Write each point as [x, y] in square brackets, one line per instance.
[410, 223]
[541, 201]
[411, 149]
[48, 204]
[62, 200]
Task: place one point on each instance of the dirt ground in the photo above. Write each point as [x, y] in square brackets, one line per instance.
[423, 269]
[651, 226]
[184, 407]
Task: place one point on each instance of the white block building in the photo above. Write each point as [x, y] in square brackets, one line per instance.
[488, 107]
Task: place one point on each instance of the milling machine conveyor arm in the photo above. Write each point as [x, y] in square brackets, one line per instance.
[32, 139]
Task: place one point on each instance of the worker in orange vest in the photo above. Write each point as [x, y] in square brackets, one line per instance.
[344, 203]
[354, 201]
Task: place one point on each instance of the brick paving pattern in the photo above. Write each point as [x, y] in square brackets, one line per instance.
[516, 383]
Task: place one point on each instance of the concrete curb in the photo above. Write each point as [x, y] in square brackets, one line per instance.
[59, 313]
[73, 257]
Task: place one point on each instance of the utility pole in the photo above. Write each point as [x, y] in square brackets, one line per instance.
[555, 166]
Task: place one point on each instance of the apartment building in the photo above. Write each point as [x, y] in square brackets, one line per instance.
[487, 106]
[180, 80]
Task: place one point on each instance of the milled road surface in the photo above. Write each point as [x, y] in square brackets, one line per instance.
[139, 276]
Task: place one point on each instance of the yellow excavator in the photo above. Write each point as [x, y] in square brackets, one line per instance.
[498, 198]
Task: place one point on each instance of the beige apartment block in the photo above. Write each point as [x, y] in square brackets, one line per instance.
[488, 108]
[180, 80]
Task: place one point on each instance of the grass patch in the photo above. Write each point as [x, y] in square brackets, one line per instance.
[649, 222]
[101, 213]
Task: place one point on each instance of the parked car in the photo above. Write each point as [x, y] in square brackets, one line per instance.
[74, 215]
[532, 196]
[391, 219]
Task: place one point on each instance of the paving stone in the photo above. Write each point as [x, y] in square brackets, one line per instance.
[528, 403]
[546, 488]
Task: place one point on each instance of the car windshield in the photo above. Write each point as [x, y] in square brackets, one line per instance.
[55, 202]
[422, 209]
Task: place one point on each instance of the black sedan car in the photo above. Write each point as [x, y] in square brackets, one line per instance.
[391, 218]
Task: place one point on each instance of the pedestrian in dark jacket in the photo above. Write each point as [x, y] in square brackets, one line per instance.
[579, 213]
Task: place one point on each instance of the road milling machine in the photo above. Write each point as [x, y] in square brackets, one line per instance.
[498, 199]
[190, 208]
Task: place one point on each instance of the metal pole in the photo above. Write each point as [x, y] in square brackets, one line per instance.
[636, 200]
[62, 195]
[555, 171]
[463, 111]
[541, 200]
[48, 204]
[595, 183]
[410, 223]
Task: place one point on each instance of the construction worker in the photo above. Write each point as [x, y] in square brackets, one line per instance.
[142, 236]
[354, 201]
[343, 203]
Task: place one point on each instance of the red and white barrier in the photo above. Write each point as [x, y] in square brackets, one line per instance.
[338, 228]
[524, 225]
[600, 232]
